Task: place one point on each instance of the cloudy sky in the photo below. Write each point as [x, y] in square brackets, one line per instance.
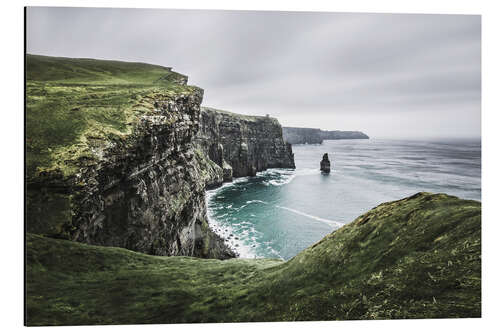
[389, 75]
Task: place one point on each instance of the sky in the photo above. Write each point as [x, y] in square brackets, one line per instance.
[388, 75]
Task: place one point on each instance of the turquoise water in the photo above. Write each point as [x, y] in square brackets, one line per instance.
[280, 212]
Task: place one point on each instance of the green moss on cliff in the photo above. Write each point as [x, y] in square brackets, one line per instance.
[210, 172]
[76, 107]
[419, 257]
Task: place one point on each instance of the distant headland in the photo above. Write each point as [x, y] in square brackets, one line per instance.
[302, 135]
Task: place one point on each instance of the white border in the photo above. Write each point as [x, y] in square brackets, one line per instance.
[12, 161]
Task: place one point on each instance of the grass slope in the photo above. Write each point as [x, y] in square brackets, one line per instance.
[419, 257]
[76, 105]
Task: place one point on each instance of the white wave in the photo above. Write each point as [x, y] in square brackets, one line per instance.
[282, 176]
[279, 182]
[276, 253]
[255, 201]
[329, 222]
[243, 242]
[239, 242]
[240, 208]
[274, 171]
[248, 203]
[210, 193]
[285, 176]
[239, 180]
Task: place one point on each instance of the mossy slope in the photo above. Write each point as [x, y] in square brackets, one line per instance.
[419, 257]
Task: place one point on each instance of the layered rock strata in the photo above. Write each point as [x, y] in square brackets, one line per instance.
[242, 145]
[145, 193]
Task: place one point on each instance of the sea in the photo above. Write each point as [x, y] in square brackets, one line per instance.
[280, 212]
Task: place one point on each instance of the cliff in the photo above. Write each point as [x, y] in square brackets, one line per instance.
[419, 257]
[242, 145]
[299, 135]
[342, 135]
[111, 158]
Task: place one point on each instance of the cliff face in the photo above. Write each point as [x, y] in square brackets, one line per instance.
[299, 135]
[243, 145]
[138, 184]
[419, 257]
[145, 193]
[342, 135]
[120, 154]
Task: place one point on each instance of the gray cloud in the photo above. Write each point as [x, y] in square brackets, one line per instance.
[385, 74]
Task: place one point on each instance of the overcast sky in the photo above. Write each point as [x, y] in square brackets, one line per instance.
[388, 75]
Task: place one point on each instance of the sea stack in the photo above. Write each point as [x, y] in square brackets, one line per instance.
[325, 164]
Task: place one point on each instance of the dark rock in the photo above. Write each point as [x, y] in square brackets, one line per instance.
[325, 164]
[242, 145]
[146, 192]
[227, 171]
[300, 135]
[343, 135]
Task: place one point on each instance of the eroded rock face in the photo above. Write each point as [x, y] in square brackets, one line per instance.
[325, 164]
[302, 135]
[146, 193]
[343, 135]
[299, 135]
[243, 145]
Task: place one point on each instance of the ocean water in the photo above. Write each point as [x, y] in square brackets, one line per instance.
[280, 212]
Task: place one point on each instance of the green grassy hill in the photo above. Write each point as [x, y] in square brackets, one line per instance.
[76, 105]
[419, 257]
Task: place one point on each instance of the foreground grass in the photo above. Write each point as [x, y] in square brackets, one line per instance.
[419, 257]
[74, 107]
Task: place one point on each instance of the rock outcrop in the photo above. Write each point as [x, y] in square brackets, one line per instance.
[299, 135]
[242, 145]
[325, 164]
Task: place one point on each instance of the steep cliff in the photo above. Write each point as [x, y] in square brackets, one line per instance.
[242, 145]
[343, 135]
[419, 257]
[111, 157]
[299, 135]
